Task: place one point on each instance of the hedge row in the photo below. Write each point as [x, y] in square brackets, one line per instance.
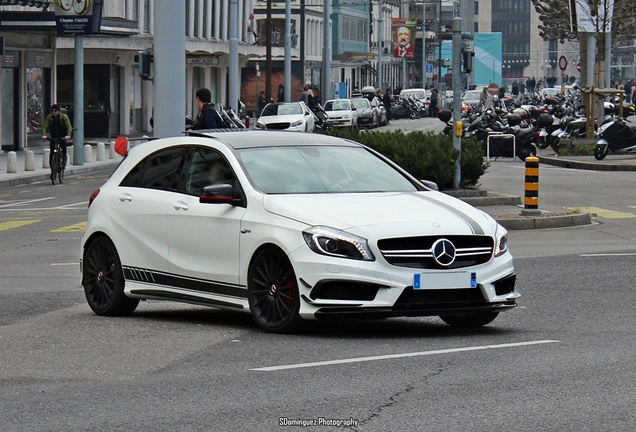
[426, 156]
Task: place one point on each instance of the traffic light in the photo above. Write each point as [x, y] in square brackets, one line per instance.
[144, 58]
[467, 61]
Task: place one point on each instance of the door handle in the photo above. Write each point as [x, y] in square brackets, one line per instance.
[180, 205]
[125, 197]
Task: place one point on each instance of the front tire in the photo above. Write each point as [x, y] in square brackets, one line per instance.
[272, 292]
[479, 319]
[103, 280]
[600, 151]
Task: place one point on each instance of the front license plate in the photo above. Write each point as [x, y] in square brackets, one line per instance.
[446, 280]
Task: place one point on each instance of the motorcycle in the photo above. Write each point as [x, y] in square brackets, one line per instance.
[322, 120]
[617, 136]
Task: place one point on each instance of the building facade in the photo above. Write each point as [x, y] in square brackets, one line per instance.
[37, 68]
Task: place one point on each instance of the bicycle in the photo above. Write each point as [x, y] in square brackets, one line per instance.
[58, 160]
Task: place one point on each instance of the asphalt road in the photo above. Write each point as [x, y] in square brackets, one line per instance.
[562, 361]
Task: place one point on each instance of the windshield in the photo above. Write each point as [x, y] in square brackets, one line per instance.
[320, 169]
[338, 105]
[282, 109]
[360, 104]
[472, 95]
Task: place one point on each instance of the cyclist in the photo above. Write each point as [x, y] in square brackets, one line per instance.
[57, 125]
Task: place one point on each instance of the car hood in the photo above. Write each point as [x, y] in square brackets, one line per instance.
[339, 113]
[288, 118]
[383, 214]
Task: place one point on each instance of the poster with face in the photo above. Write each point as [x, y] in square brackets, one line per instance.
[78, 17]
[403, 31]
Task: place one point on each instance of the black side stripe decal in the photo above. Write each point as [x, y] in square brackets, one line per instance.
[185, 297]
[167, 279]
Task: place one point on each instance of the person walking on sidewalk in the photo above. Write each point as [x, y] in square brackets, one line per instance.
[57, 125]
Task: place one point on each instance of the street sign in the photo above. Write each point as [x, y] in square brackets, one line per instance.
[429, 68]
[78, 18]
[258, 67]
[563, 63]
[578, 67]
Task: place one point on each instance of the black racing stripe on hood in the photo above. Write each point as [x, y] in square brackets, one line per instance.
[472, 223]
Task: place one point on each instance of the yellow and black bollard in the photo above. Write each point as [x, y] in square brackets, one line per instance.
[531, 195]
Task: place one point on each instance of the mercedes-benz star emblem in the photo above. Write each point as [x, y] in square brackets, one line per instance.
[444, 252]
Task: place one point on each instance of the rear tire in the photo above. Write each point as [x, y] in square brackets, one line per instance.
[479, 319]
[103, 280]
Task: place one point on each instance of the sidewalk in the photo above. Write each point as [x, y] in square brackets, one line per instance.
[611, 163]
[43, 174]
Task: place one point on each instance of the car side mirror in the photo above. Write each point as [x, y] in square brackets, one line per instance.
[430, 184]
[353, 108]
[218, 194]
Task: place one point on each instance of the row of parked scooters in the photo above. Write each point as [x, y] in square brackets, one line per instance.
[533, 122]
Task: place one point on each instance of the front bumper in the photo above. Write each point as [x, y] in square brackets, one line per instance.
[333, 287]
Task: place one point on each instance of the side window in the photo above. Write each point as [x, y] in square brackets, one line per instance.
[208, 167]
[160, 170]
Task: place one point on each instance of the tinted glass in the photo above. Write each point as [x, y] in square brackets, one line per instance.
[360, 104]
[208, 167]
[281, 109]
[162, 169]
[288, 170]
[338, 105]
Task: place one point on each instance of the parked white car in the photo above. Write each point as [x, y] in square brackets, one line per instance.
[288, 227]
[291, 116]
[341, 113]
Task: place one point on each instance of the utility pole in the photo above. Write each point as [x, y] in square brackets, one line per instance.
[423, 43]
[457, 96]
[380, 40]
[439, 43]
[268, 52]
[169, 54]
[78, 103]
[288, 50]
[234, 71]
[326, 91]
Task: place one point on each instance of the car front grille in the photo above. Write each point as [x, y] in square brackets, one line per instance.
[417, 252]
[278, 126]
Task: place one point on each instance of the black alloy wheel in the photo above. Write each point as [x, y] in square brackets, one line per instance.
[103, 280]
[272, 292]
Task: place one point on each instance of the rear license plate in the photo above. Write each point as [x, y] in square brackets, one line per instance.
[445, 280]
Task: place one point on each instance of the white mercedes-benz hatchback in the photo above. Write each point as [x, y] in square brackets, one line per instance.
[289, 227]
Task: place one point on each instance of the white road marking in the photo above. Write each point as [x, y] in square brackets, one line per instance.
[64, 264]
[403, 355]
[74, 206]
[19, 203]
[608, 254]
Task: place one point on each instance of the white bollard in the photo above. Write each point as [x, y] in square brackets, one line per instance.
[29, 160]
[88, 153]
[46, 155]
[101, 151]
[12, 162]
[112, 154]
[69, 155]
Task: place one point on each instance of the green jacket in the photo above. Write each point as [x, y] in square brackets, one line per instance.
[64, 120]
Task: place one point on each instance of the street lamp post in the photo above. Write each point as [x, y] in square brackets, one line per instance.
[380, 39]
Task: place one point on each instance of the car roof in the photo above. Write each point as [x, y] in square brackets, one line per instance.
[243, 139]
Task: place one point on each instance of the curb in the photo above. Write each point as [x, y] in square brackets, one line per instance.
[482, 198]
[589, 166]
[544, 222]
[22, 179]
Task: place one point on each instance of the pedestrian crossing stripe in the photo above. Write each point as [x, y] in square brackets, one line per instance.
[78, 227]
[604, 213]
[5, 226]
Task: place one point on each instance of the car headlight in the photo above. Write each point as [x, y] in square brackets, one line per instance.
[336, 243]
[346, 116]
[297, 123]
[259, 125]
[366, 112]
[501, 241]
